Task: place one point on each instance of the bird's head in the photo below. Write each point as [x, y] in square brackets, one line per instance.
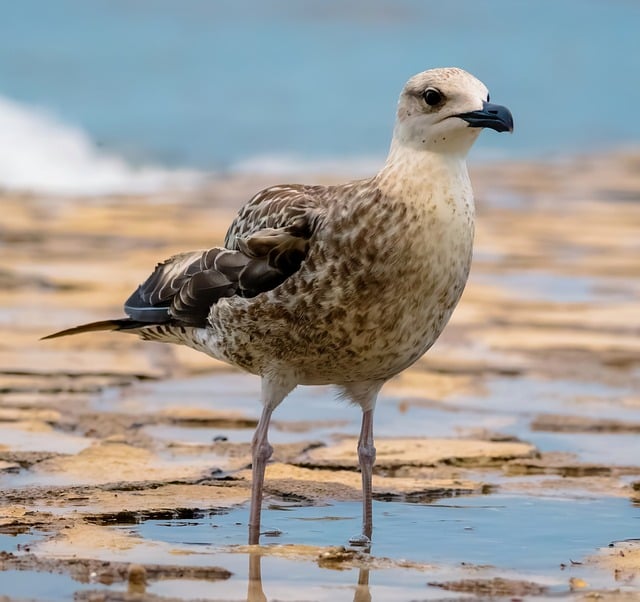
[444, 110]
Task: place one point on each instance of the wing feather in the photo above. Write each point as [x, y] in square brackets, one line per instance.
[293, 205]
[265, 244]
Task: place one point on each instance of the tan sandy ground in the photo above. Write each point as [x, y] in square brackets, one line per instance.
[553, 298]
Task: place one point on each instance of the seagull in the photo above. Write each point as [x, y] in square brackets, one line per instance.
[343, 285]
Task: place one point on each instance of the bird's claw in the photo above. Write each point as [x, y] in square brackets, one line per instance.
[361, 541]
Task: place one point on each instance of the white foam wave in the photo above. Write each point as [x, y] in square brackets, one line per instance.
[284, 165]
[39, 153]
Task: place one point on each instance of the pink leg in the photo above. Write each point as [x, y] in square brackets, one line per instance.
[261, 451]
[365, 394]
[274, 390]
[367, 457]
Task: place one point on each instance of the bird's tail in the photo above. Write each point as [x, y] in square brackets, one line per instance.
[123, 324]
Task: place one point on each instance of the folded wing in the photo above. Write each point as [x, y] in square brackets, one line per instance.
[265, 245]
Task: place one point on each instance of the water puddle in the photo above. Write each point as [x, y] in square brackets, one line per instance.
[606, 449]
[232, 391]
[535, 538]
[290, 580]
[308, 413]
[280, 579]
[558, 288]
[528, 396]
[32, 585]
[18, 537]
[495, 529]
[38, 437]
[279, 434]
[499, 406]
[595, 401]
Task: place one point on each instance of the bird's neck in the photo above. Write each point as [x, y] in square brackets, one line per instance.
[412, 175]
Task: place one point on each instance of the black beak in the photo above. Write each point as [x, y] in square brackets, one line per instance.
[492, 116]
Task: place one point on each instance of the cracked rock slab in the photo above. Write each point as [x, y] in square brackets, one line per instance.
[560, 423]
[493, 588]
[108, 461]
[315, 484]
[396, 453]
[82, 569]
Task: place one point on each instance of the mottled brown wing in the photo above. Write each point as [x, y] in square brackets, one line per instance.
[185, 281]
[266, 243]
[292, 205]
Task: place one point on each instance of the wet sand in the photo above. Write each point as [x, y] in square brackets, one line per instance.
[508, 457]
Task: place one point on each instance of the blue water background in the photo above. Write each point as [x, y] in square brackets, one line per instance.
[208, 84]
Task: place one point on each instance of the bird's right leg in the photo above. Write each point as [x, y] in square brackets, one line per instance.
[365, 395]
[273, 392]
[261, 451]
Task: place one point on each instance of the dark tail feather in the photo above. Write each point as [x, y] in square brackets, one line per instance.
[124, 324]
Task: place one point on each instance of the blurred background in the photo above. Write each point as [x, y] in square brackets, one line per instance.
[110, 96]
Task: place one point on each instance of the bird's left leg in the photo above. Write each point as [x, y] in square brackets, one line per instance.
[366, 458]
[365, 395]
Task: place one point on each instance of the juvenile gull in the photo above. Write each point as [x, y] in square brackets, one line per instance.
[345, 285]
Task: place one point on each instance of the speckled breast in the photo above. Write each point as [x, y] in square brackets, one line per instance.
[375, 292]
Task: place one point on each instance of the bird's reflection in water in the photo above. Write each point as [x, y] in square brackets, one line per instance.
[255, 593]
[362, 589]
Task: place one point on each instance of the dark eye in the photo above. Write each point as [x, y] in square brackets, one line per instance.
[432, 97]
[488, 98]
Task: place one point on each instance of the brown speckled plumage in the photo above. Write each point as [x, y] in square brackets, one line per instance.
[345, 285]
[371, 296]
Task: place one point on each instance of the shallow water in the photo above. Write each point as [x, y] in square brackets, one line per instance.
[503, 404]
[556, 288]
[619, 449]
[290, 580]
[12, 540]
[531, 538]
[40, 586]
[42, 439]
[497, 529]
